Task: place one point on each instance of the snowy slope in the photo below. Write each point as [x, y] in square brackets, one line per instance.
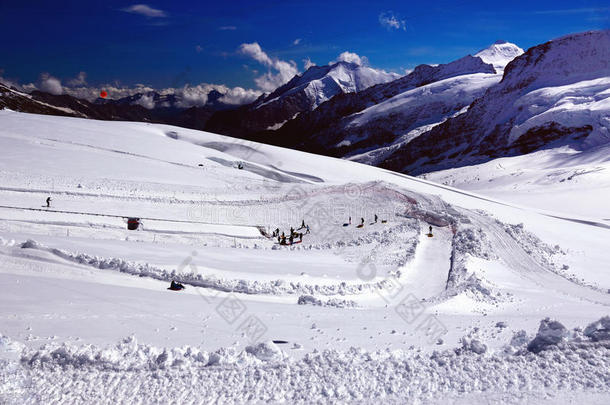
[76, 281]
[554, 94]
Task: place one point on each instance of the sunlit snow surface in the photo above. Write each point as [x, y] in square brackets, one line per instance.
[379, 313]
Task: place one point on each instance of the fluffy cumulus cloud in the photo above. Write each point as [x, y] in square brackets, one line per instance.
[198, 95]
[352, 57]
[390, 21]
[145, 10]
[187, 95]
[50, 84]
[279, 71]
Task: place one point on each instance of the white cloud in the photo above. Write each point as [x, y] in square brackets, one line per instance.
[79, 80]
[296, 41]
[352, 57]
[50, 84]
[188, 95]
[307, 63]
[390, 21]
[284, 71]
[227, 28]
[145, 10]
[146, 101]
[239, 95]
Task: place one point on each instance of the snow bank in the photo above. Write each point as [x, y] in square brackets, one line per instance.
[331, 302]
[274, 287]
[263, 373]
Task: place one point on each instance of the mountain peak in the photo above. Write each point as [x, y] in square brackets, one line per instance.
[499, 54]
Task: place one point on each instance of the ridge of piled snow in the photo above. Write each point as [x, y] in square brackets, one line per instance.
[263, 373]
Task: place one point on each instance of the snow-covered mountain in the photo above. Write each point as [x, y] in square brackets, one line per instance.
[556, 93]
[303, 93]
[499, 54]
[391, 113]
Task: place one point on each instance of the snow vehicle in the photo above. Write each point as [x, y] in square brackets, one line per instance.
[133, 223]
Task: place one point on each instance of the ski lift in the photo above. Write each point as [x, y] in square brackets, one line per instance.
[133, 223]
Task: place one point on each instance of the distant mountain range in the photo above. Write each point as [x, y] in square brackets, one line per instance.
[499, 102]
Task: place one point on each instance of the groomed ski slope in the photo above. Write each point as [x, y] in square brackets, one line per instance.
[381, 312]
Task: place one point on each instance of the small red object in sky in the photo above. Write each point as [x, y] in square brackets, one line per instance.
[103, 94]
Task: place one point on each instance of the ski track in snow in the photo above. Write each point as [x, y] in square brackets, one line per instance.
[486, 259]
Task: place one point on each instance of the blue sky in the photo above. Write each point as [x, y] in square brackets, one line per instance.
[169, 44]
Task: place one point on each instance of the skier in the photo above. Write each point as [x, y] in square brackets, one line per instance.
[291, 239]
[301, 237]
[376, 218]
[362, 221]
[430, 229]
[48, 202]
[306, 229]
[302, 225]
[291, 230]
[350, 220]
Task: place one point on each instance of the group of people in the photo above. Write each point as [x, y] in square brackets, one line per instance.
[290, 239]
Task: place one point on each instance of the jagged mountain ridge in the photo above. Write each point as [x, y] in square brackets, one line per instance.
[325, 129]
[302, 93]
[555, 93]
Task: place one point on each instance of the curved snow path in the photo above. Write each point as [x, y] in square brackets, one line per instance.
[426, 275]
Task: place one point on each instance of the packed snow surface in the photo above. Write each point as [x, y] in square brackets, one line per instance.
[441, 296]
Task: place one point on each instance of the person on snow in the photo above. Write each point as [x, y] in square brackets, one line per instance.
[176, 286]
[301, 237]
[48, 202]
[302, 225]
[376, 218]
[350, 220]
[430, 229]
[362, 221]
[279, 239]
[291, 239]
[291, 230]
[306, 229]
[283, 240]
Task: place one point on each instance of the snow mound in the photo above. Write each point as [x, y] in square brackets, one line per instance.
[550, 334]
[9, 345]
[331, 302]
[599, 330]
[128, 355]
[266, 351]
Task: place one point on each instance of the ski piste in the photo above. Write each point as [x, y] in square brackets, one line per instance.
[94, 300]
